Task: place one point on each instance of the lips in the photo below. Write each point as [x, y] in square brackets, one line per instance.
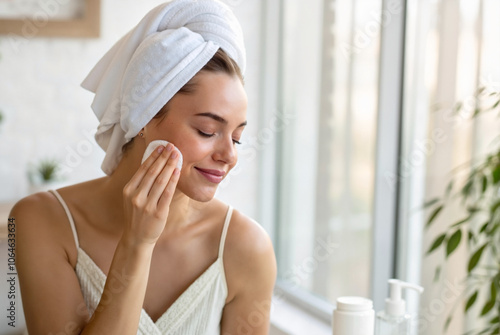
[214, 176]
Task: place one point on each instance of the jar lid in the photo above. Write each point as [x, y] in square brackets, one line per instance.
[354, 304]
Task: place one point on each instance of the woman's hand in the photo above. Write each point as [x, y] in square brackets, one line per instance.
[147, 196]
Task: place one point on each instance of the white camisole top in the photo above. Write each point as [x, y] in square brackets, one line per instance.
[198, 310]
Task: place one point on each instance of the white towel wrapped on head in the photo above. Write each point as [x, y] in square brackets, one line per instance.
[151, 63]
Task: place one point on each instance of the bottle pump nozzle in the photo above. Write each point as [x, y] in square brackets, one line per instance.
[394, 305]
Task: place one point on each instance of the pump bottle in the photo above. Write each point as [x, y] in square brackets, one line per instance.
[394, 320]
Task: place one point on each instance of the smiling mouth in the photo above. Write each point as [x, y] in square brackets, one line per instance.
[213, 176]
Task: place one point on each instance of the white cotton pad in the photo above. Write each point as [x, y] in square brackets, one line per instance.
[155, 144]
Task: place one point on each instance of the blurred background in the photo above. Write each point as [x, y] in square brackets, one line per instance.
[353, 126]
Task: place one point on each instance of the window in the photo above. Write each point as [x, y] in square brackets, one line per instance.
[326, 184]
[366, 86]
[450, 52]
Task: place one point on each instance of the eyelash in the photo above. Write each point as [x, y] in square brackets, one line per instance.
[205, 134]
[210, 135]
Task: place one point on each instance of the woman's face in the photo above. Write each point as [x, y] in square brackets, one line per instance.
[206, 125]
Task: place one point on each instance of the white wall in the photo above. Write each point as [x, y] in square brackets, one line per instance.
[47, 114]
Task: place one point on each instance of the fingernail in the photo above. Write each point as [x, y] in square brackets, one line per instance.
[160, 148]
[174, 154]
[169, 147]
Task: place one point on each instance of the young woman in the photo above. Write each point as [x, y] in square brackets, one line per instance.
[147, 249]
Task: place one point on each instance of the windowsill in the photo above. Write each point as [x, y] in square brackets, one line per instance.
[289, 319]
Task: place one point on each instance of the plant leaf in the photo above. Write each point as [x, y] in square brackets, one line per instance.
[493, 291]
[471, 301]
[496, 174]
[473, 209]
[431, 202]
[495, 206]
[437, 242]
[496, 319]
[487, 307]
[472, 238]
[453, 242]
[474, 259]
[447, 323]
[485, 183]
[449, 188]
[461, 221]
[466, 190]
[433, 216]
[493, 229]
[483, 227]
[437, 273]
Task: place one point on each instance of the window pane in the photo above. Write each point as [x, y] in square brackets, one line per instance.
[328, 161]
[451, 50]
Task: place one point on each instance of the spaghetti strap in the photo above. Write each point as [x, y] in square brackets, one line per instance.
[68, 213]
[224, 230]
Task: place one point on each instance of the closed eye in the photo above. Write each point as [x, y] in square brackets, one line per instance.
[210, 135]
[205, 134]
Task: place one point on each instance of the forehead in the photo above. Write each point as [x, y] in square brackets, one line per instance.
[217, 93]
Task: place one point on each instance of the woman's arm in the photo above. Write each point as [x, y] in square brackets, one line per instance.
[51, 295]
[52, 298]
[250, 266]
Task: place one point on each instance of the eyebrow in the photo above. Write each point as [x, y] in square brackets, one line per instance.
[219, 118]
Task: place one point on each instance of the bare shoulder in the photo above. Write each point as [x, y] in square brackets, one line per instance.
[45, 257]
[42, 215]
[34, 210]
[246, 237]
[248, 255]
[40, 221]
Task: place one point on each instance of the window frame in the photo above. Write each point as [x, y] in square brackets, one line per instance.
[388, 148]
[386, 231]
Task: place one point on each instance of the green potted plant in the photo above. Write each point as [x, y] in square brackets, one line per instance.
[479, 228]
[44, 175]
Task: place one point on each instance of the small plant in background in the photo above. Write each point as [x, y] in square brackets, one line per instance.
[479, 228]
[44, 172]
[48, 170]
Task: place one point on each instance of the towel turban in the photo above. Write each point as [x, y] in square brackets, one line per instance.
[151, 63]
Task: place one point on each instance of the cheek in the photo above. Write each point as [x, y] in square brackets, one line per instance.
[192, 148]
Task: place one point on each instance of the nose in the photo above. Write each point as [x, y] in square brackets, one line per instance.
[226, 151]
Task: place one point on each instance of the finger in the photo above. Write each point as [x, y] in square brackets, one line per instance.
[168, 193]
[163, 178]
[154, 171]
[136, 179]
